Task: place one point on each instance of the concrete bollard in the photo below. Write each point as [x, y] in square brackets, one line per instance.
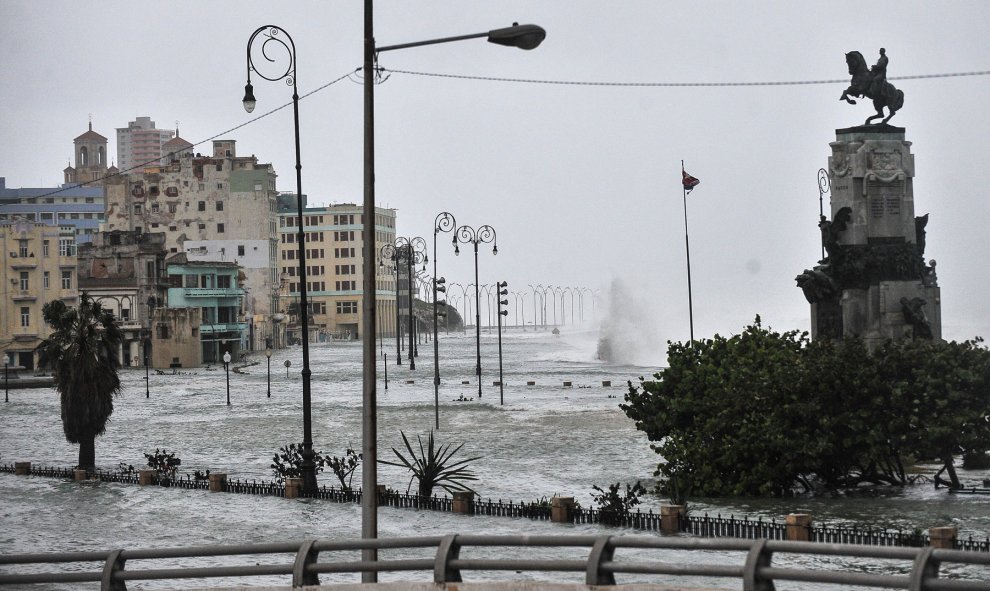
[798, 527]
[463, 502]
[80, 474]
[567, 384]
[22, 468]
[218, 482]
[561, 509]
[606, 383]
[943, 537]
[146, 477]
[531, 383]
[465, 382]
[670, 518]
[293, 486]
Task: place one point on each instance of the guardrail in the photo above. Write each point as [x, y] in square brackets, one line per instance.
[919, 569]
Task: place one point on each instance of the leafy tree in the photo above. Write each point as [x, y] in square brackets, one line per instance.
[287, 463]
[165, 463]
[82, 352]
[766, 413]
[615, 508]
[343, 467]
[433, 467]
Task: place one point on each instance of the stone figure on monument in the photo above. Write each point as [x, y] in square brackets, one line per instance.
[919, 233]
[914, 314]
[872, 83]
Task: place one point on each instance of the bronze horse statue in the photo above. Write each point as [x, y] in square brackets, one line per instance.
[872, 83]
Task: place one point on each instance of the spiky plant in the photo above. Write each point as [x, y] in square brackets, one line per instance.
[433, 466]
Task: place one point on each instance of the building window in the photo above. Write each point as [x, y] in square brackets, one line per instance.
[66, 279]
[219, 228]
[346, 307]
[154, 208]
[22, 248]
[137, 208]
[219, 203]
[24, 281]
[47, 279]
[25, 317]
[223, 281]
[125, 314]
[162, 331]
[67, 247]
[172, 207]
[240, 250]
[202, 206]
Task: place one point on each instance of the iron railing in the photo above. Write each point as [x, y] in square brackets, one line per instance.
[603, 559]
[702, 525]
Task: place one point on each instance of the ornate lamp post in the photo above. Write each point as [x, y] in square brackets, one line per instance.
[501, 292]
[226, 369]
[522, 36]
[268, 354]
[444, 222]
[412, 251]
[824, 186]
[276, 40]
[466, 235]
[6, 384]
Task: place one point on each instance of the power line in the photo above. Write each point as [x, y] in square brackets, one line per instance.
[673, 84]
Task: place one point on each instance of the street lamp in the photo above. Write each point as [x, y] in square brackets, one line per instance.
[226, 368]
[274, 35]
[444, 222]
[466, 235]
[6, 385]
[501, 292]
[268, 354]
[147, 376]
[824, 186]
[522, 36]
[413, 252]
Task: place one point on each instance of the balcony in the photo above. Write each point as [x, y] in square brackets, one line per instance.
[23, 296]
[207, 328]
[213, 292]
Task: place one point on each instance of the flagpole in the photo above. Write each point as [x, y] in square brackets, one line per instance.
[687, 252]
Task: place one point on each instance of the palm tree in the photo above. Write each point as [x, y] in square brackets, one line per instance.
[82, 352]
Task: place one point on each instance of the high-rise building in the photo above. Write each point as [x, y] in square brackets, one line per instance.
[141, 144]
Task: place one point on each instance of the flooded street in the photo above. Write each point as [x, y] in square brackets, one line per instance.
[546, 439]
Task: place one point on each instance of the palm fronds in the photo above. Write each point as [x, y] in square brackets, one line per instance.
[433, 466]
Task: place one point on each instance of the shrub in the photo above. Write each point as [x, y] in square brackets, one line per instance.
[433, 467]
[614, 508]
[163, 462]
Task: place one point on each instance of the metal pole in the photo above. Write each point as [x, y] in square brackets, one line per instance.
[226, 368]
[268, 354]
[411, 327]
[369, 408]
[147, 375]
[500, 291]
[385, 365]
[824, 186]
[687, 252]
[6, 384]
[477, 319]
[398, 333]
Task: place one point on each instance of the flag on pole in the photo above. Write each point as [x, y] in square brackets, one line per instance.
[689, 181]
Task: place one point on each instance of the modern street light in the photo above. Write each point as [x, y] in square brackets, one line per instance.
[413, 252]
[501, 292]
[274, 35]
[466, 235]
[226, 368]
[522, 36]
[268, 354]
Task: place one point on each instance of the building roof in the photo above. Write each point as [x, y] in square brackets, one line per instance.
[176, 142]
[90, 135]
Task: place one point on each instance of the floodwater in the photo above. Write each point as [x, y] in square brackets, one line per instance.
[545, 440]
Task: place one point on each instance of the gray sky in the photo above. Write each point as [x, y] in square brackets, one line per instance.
[582, 183]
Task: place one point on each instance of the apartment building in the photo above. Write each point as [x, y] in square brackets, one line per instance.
[213, 208]
[141, 144]
[334, 269]
[37, 266]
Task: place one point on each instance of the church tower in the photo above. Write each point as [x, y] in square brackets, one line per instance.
[91, 158]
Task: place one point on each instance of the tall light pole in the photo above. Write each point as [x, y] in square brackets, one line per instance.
[824, 186]
[6, 384]
[444, 222]
[468, 235]
[147, 376]
[274, 43]
[522, 36]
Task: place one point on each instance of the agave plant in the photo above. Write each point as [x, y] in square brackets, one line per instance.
[433, 467]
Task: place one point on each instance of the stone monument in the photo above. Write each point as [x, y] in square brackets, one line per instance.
[873, 283]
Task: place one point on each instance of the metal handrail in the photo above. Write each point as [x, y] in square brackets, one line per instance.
[600, 565]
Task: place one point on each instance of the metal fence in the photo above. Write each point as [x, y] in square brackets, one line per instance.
[699, 525]
[591, 560]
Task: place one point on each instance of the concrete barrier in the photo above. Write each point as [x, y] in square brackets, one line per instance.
[293, 487]
[531, 383]
[561, 509]
[943, 537]
[567, 384]
[22, 468]
[146, 477]
[465, 382]
[80, 474]
[606, 383]
[463, 502]
[670, 518]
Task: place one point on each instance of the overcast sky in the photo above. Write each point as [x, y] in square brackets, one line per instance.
[582, 183]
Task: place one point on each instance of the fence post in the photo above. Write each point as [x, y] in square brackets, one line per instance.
[670, 518]
[80, 474]
[292, 487]
[146, 477]
[218, 482]
[561, 509]
[22, 468]
[463, 502]
[943, 537]
[799, 527]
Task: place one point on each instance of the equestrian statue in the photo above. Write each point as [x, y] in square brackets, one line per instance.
[872, 83]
